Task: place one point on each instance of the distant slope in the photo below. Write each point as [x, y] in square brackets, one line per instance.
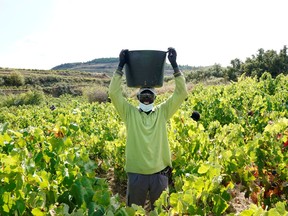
[100, 65]
[52, 82]
[103, 65]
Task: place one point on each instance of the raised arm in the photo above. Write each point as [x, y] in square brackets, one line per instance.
[180, 92]
[115, 91]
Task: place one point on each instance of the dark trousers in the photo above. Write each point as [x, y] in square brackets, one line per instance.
[139, 185]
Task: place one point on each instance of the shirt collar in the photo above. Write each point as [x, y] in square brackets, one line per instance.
[140, 110]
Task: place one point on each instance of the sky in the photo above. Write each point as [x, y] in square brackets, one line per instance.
[42, 34]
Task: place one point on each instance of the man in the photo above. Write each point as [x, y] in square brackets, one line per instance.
[147, 151]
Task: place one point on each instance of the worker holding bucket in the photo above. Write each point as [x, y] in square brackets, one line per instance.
[148, 159]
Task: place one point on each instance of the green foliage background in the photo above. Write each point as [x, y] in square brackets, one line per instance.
[58, 161]
[60, 137]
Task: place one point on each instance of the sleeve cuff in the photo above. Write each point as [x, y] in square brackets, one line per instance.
[119, 71]
[176, 69]
[177, 72]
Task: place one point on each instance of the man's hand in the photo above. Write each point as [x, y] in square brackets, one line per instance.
[123, 58]
[172, 55]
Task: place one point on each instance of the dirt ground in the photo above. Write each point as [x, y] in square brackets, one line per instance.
[239, 202]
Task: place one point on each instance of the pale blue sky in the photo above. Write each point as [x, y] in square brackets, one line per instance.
[40, 34]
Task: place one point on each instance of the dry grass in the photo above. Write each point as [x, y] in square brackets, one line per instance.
[96, 94]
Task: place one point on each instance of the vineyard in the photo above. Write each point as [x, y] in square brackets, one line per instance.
[62, 161]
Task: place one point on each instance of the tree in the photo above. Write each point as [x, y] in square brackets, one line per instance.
[233, 72]
[284, 59]
[265, 61]
[272, 63]
[216, 70]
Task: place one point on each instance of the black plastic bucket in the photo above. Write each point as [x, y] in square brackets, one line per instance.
[145, 68]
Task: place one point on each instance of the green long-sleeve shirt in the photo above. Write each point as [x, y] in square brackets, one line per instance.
[147, 147]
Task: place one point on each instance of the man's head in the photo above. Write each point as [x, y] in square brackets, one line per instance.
[146, 95]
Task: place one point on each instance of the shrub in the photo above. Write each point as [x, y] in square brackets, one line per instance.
[15, 79]
[2, 81]
[28, 98]
[62, 89]
[96, 94]
[33, 98]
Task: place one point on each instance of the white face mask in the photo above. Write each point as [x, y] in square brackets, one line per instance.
[146, 108]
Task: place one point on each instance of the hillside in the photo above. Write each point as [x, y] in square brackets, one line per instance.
[54, 82]
[68, 78]
[100, 65]
[72, 78]
[104, 65]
